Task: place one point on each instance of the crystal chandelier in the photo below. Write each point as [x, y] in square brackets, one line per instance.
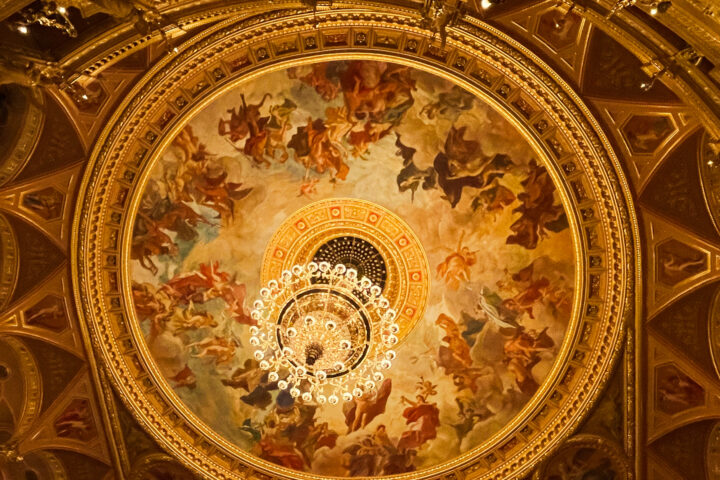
[323, 334]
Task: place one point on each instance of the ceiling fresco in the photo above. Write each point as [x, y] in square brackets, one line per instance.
[510, 248]
[480, 201]
[534, 183]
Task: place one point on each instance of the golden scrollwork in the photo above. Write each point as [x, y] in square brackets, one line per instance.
[478, 57]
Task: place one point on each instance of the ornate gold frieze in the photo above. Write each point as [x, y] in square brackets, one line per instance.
[481, 59]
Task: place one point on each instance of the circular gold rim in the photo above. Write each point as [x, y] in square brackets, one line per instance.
[496, 439]
[599, 322]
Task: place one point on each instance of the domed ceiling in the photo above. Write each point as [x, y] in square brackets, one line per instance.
[479, 199]
[490, 214]
[530, 185]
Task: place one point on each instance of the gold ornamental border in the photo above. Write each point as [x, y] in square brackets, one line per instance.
[408, 272]
[477, 57]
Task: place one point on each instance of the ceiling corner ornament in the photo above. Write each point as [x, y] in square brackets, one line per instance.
[482, 60]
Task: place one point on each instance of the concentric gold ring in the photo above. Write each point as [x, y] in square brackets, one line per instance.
[303, 233]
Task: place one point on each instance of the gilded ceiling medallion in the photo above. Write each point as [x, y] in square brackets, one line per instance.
[490, 165]
[362, 235]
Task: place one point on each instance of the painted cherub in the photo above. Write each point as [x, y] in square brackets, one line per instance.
[455, 269]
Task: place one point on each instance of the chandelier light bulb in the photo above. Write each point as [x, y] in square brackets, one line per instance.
[323, 330]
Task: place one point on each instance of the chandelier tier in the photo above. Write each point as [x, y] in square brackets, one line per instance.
[324, 334]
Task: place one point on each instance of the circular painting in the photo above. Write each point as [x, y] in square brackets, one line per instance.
[485, 219]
